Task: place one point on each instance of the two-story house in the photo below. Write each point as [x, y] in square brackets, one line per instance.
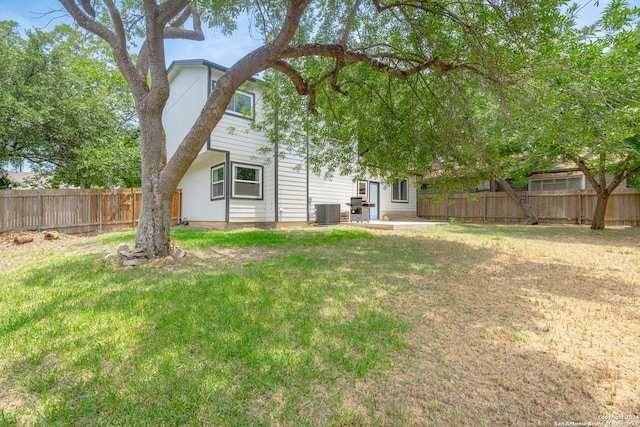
[232, 183]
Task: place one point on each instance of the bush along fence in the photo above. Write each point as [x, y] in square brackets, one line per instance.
[552, 207]
[74, 210]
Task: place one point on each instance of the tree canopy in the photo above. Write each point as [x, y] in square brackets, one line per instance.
[405, 122]
[66, 109]
[560, 94]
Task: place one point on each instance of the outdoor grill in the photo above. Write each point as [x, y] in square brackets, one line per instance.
[359, 210]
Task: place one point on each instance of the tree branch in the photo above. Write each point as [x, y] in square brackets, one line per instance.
[86, 22]
[349, 24]
[169, 9]
[618, 177]
[422, 5]
[173, 31]
[631, 173]
[587, 173]
[340, 52]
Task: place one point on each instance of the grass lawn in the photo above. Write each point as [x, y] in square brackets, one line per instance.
[467, 325]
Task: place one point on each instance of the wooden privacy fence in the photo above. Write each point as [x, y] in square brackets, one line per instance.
[74, 211]
[557, 207]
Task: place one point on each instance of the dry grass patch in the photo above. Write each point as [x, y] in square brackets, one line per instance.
[518, 327]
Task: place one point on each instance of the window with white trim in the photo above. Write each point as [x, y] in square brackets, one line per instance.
[363, 187]
[400, 191]
[247, 182]
[217, 182]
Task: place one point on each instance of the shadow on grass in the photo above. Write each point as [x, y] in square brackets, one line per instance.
[306, 336]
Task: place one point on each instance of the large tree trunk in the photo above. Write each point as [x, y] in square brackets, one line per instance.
[154, 230]
[531, 217]
[598, 221]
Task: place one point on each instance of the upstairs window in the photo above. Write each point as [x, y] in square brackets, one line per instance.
[247, 182]
[241, 104]
[400, 191]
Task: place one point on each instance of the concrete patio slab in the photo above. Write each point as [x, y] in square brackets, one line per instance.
[397, 225]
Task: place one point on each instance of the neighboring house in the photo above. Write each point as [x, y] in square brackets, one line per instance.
[232, 183]
[561, 178]
[565, 177]
[20, 175]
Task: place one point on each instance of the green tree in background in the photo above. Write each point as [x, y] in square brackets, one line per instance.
[584, 103]
[66, 109]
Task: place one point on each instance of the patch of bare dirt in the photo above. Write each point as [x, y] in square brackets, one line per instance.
[14, 254]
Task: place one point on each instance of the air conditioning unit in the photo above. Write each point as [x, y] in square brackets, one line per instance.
[328, 214]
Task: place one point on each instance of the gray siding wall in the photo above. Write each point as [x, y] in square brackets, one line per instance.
[196, 190]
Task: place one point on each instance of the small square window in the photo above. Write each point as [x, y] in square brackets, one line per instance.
[241, 103]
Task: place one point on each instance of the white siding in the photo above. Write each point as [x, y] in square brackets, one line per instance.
[189, 86]
[292, 188]
[338, 189]
[188, 95]
[234, 134]
[388, 207]
[196, 190]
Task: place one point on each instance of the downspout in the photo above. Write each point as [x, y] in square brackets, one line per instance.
[275, 164]
[227, 193]
[209, 89]
[308, 199]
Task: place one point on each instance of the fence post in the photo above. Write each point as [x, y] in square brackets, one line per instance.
[100, 209]
[484, 208]
[133, 204]
[39, 211]
[579, 207]
[180, 204]
[447, 209]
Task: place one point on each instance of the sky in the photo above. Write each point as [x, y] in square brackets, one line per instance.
[216, 48]
[46, 14]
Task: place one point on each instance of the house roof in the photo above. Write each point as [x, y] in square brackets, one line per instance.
[203, 62]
